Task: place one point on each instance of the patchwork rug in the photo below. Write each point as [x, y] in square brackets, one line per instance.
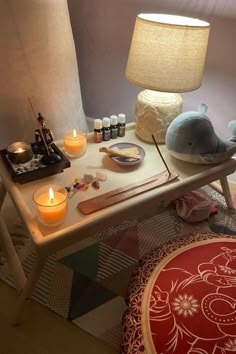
[87, 283]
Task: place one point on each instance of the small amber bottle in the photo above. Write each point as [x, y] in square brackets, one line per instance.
[98, 131]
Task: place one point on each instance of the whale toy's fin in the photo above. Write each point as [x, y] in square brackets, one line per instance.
[221, 156]
[208, 157]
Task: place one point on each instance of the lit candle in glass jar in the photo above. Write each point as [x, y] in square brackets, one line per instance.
[51, 204]
[75, 143]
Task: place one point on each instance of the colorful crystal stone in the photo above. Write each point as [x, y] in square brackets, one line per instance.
[88, 178]
[96, 184]
[71, 193]
[101, 176]
[84, 186]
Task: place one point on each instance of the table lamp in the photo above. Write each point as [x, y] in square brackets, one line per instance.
[167, 57]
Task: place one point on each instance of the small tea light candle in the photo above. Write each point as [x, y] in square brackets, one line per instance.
[51, 204]
[75, 143]
[19, 152]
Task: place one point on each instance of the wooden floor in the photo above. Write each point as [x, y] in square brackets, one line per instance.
[42, 331]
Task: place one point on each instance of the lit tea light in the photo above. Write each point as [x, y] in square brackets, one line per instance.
[19, 152]
[51, 204]
[75, 143]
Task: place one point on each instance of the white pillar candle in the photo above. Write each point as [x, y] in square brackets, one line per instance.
[51, 204]
[75, 143]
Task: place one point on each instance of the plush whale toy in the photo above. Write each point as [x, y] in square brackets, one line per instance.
[191, 137]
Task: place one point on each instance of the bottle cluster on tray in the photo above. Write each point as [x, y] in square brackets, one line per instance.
[109, 127]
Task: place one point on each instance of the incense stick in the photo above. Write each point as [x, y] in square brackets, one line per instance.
[163, 160]
[44, 141]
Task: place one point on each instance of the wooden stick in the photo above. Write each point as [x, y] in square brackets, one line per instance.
[44, 141]
[163, 160]
[130, 152]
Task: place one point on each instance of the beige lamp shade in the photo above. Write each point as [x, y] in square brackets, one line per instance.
[167, 52]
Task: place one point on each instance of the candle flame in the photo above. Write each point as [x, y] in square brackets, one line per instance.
[51, 194]
[74, 133]
[19, 150]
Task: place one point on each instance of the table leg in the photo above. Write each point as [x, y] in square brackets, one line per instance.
[11, 255]
[24, 285]
[28, 288]
[226, 192]
[9, 249]
[3, 193]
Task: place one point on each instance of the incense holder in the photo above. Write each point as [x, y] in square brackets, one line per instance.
[127, 161]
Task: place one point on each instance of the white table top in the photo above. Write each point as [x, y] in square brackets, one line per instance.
[77, 225]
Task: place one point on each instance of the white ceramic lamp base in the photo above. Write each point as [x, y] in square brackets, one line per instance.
[154, 112]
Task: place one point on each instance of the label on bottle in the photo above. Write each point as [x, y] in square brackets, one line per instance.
[98, 135]
[106, 134]
[121, 130]
[114, 131]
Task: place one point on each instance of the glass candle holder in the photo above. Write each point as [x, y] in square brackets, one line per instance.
[19, 152]
[75, 143]
[51, 204]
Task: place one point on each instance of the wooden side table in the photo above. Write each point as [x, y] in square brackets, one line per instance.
[77, 226]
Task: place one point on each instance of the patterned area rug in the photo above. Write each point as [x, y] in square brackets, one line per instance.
[87, 283]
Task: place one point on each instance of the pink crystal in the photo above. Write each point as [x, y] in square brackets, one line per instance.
[101, 176]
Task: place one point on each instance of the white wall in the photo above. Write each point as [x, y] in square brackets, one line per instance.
[103, 30]
[37, 60]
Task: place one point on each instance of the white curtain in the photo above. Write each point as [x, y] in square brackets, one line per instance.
[37, 61]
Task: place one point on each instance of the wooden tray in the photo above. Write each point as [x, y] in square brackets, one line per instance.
[41, 172]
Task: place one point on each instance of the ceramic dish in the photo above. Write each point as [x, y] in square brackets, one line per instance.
[127, 161]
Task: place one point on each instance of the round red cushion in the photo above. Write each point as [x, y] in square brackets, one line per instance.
[183, 298]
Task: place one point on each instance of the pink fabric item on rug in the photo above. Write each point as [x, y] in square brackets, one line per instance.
[194, 206]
